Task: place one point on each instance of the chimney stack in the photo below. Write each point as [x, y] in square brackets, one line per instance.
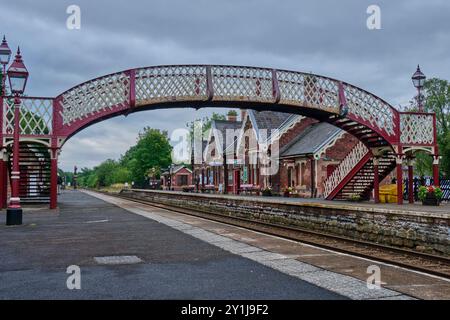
[243, 114]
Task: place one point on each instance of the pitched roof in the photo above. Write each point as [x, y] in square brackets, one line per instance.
[223, 126]
[269, 119]
[176, 168]
[311, 140]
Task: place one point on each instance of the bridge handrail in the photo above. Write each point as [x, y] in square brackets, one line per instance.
[345, 167]
[227, 83]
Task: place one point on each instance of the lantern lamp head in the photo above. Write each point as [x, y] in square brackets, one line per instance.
[418, 78]
[18, 75]
[5, 52]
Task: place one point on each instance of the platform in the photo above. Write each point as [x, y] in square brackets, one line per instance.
[443, 210]
[128, 250]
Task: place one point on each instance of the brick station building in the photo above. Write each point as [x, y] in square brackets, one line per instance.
[180, 176]
[308, 153]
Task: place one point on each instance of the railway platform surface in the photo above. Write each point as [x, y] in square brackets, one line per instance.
[179, 257]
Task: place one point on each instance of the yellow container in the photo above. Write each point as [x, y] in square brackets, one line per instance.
[388, 193]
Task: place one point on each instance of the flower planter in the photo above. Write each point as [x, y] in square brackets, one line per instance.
[286, 194]
[430, 200]
[430, 195]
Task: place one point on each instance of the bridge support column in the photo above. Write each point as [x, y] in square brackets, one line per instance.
[4, 184]
[399, 169]
[53, 178]
[3, 179]
[376, 180]
[436, 170]
[410, 181]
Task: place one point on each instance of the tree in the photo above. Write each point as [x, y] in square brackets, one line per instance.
[154, 172]
[68, 176]
[105, 172]
[152, 150]
[437, 95]
[206, 123]
[437, 100]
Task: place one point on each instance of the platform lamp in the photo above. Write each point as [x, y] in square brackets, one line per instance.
[418, 80]
[5, 56]
[18, 76]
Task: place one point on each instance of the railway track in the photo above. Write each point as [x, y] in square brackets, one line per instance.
[423, 262]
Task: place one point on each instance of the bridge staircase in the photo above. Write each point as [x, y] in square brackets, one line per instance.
[34, 182]
[354, 176]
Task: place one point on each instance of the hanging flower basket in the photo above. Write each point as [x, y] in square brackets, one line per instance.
[430, 196]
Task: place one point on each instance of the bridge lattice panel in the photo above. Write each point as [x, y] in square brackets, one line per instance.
[170, 83]
[371, 110]
[308, 90]
[95, 96]
[242, 84]
[36, 116]
[416, 129]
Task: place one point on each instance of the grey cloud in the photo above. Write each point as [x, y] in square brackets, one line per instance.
[325, 37]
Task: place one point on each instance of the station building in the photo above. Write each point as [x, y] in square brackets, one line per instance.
[238, 154]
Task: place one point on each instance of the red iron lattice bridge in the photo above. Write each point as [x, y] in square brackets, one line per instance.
[388, 138]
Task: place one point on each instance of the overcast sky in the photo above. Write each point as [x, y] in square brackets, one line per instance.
[324, 37]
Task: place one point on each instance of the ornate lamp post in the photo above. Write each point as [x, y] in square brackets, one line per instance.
[18, 76]
[75, 178]
[418, 80]
[5, 56]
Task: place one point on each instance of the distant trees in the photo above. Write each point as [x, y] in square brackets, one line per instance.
[437, 94]
[437, 100]
[206, 123]
[151, 152]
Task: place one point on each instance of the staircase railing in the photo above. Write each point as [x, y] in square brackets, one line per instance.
[345, 167]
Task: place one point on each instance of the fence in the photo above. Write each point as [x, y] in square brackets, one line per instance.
[427, 181]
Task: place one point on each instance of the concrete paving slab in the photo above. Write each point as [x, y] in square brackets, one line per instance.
[34, 258]
[405, 281]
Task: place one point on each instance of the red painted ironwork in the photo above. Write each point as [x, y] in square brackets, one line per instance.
[349, 176]
[15, 173]
[399, 170]
[132, 94]
[3, 190]
[53, 179]
[376, 181]
[436, 173]
[410, 183]
[209, 84]
[375, 122]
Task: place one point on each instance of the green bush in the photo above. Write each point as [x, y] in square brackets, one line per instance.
[424, 191]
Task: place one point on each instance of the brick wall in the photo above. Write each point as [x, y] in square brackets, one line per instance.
[296, 130]
[342, 147]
